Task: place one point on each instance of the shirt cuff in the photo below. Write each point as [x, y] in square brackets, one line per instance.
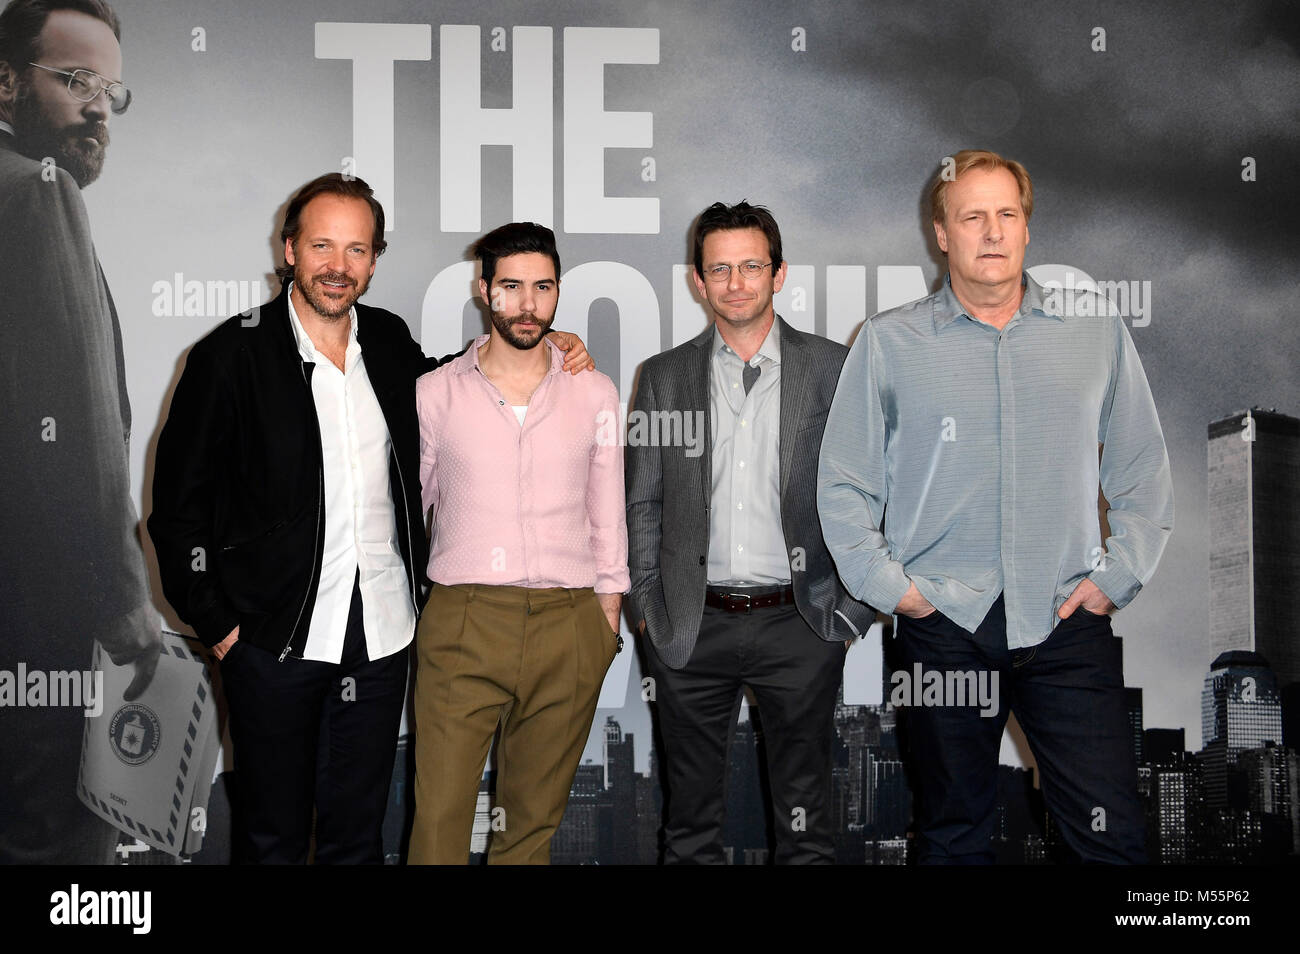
[1113, 579]
[885, 588]
[215, 624]
[613, 583]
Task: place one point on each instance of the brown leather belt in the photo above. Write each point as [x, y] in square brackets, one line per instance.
[740, 601]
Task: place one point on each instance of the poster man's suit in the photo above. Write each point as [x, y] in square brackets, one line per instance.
[72, 569]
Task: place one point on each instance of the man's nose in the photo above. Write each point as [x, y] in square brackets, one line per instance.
[735, 278]
[98, 109]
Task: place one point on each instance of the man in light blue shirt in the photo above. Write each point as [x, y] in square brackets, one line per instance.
[957, 488]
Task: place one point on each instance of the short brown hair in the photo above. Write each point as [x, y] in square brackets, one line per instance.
[22, 21]
[720, 217]
[969, 159]
[332, 183]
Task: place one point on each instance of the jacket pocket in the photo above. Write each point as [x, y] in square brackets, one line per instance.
[264, 572]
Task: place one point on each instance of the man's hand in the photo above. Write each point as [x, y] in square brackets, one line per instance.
[612, 604]
[223, 647]
[575, 358]
[913, 604]
[139, 644]
[1088, 595]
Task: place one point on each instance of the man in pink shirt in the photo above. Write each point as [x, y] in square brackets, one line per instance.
[528, 558]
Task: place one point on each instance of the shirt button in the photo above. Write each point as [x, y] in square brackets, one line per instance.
[740, 506]
[740, 549]
[744, 423]
[741, 465]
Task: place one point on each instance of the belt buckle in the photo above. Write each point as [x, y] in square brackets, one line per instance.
[737, 606]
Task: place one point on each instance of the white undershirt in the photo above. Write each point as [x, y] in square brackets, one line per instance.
[520, 411]
[360, 519]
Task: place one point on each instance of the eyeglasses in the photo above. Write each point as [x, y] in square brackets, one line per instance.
[84, 86]
[717, 274]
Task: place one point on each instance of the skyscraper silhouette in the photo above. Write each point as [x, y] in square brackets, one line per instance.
[1254, 488]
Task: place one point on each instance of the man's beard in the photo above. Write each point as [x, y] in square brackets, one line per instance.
[69, 147]
[523, 340]
[310, 286]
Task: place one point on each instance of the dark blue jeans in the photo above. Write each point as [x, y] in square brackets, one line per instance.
[1068, 696]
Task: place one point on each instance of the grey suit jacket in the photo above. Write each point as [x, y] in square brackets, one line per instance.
[72, 568]
[668, 496]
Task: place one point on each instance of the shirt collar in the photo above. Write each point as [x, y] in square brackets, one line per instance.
[305, 346]
[469, 360]
[948, 309]
[769, 349]
[5, 127]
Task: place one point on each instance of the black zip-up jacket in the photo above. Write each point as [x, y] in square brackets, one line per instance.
[238, 492]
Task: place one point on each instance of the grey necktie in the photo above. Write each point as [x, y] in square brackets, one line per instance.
[749, 375]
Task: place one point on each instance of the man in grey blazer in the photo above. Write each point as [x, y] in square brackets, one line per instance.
[732, 584]
[72, 570]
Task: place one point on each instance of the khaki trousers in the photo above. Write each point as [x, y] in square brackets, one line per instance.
[529, 660]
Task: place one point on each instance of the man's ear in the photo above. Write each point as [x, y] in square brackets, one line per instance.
[8, 90]
[778, 277]
[941, 237]
[699, 283]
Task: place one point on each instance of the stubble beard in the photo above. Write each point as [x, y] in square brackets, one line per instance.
[505, 326]
[331, 309]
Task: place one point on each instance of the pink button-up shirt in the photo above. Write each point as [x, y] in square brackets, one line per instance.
[534, 505]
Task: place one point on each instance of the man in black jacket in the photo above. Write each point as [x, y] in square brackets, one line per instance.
[288, 526]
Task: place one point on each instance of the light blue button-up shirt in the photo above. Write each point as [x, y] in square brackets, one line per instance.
[965, 459]
[746, 540]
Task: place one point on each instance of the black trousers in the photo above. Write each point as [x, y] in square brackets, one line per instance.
[1068, 696]
[319, 734]
[795, 677]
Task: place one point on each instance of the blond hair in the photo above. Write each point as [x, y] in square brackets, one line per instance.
[954, 166]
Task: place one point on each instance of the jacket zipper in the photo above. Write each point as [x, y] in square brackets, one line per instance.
[410, 552]
[320, 506]
[311, 579]
[261, 536]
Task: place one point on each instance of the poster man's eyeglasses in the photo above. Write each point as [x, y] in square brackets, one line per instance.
[83, 85]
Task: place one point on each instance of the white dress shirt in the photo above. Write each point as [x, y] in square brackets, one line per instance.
[360, 519]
